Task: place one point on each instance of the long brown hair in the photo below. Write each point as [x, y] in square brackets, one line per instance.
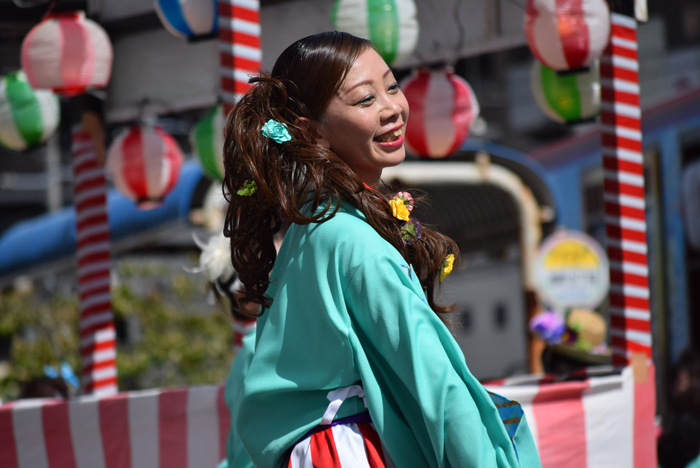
[292, 174]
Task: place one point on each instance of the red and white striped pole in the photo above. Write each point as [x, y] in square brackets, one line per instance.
[97, 333]
[625, 218]
[240, 51]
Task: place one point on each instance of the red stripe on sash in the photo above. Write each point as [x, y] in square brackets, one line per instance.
[323, 451]
[114, 428]
[373, 446]
[57, 436]
[562, 425]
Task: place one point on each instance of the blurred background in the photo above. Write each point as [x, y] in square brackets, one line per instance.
[508, 150]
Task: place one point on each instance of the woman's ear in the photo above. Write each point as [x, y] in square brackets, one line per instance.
[310, 132]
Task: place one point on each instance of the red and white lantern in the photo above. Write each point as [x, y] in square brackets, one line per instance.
[443, 108]
[67, 53]
[145, 165]
[567, 34]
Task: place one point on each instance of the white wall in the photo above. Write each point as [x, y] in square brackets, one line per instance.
[490, 351]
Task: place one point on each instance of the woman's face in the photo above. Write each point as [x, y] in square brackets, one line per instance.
[364, 123]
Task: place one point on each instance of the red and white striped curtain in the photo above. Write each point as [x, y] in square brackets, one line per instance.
[97, 333]
[625, 218]
[600, 422]
[240, 50]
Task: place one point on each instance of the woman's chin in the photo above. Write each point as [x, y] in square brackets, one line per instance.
[397, 157]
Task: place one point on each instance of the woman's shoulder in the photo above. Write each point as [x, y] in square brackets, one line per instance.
[348, 231]
[348, 223]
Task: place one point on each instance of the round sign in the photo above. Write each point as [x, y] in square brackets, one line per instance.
[571, 270]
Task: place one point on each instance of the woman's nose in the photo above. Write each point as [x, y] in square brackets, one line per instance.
[392, 107]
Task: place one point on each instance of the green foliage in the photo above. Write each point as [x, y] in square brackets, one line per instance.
[168, 343]
[42, 333]
[176, 347]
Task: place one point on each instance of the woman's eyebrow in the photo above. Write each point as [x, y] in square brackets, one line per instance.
[370, 81]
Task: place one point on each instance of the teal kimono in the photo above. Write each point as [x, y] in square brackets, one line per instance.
[348, 309]
[236, 456]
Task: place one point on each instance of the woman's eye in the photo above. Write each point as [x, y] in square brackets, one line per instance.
[394, 87]
[367, 99]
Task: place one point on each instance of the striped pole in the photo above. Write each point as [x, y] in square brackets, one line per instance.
[240, 51]
[97, 334]
[625, 219]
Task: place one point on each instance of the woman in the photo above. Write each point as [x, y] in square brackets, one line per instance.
[352, 363]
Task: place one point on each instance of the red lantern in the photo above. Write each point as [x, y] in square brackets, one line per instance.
[145, 164]
[443, 107]
[567, 34]
[67, 53]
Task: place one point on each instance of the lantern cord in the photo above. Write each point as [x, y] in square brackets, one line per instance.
[461, 33]
[49, 9]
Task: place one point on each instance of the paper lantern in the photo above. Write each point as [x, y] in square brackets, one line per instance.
[443, 107]
[567, 34]
[567, 98]
[28, 116]
[67, 53]
[144, 163]
[207, 139]
[188, 18]
[391, 25]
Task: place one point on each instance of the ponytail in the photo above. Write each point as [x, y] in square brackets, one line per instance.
[266, 181]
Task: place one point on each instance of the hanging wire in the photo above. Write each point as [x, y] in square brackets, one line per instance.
[52, 5]
[461, 32]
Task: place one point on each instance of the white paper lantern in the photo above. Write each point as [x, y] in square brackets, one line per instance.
[188, 18]
[567, 35]
[391, 25]
[67, 53]
[144, 163]
[566, 98]
[28, 116]
[443, 108]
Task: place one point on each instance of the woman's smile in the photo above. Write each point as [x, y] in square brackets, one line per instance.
[391, 139]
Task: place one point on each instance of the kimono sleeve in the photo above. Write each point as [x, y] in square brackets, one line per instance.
[422, 372]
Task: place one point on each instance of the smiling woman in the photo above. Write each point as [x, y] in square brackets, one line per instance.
[363, 123]
[352, 365]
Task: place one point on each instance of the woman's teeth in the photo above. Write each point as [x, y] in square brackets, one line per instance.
[390, 136]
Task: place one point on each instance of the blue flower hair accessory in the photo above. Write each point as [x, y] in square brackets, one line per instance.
[276, 131]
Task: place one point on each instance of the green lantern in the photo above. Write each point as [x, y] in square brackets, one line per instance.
[28, 116]
[207, 138]
[391, 25]
[567, 97]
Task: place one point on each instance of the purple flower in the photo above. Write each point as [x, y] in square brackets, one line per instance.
[411, 231]
[549, 326]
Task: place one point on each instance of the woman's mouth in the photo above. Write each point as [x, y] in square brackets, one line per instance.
[393, 138]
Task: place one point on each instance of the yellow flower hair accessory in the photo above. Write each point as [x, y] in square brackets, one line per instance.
[401, 206]
[447, 265]
[399, 210]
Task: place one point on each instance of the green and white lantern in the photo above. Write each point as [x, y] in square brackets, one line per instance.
[207, 138]
[28, 116]
[391, 25]
[567, 97]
